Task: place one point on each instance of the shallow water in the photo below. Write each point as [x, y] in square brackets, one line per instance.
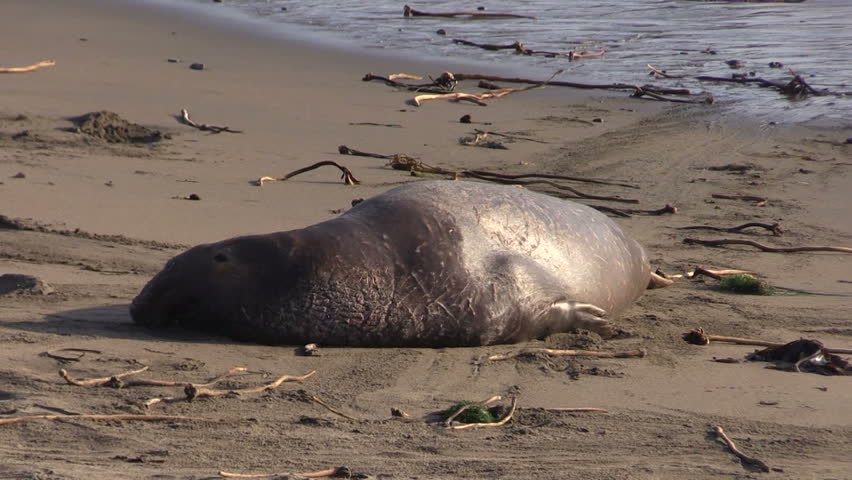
[814, 38]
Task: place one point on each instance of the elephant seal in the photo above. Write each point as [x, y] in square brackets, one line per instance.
[427, 264]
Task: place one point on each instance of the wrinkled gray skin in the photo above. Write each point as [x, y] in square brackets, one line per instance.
[430, 264]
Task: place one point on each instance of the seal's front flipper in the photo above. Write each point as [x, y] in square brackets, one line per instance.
[564, 315]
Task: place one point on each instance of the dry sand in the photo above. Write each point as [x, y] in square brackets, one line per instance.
[102, 220]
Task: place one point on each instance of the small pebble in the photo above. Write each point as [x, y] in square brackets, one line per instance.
[19, 175]
[734, 63]
[464, 119]
[356, 201]
[283, 9]
[84, 39]
[598, 120]
[193, 196]
[173, 60]
[197, 66]
[480, 8]
[776, 65]
[441, 31]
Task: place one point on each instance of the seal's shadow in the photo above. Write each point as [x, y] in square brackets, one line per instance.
[110, 321]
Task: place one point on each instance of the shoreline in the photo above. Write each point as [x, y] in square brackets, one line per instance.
[296, 104]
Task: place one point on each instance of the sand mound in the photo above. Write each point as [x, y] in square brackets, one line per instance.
[114, 129]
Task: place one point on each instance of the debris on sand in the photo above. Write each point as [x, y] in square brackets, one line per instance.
[16, 283]
[109, 126]
[803, 355]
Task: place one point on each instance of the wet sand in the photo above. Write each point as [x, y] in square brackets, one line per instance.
[96, 220]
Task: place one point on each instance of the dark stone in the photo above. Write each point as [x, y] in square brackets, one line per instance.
[598, 120]
[464, 119]
[197, 66]
[23, 284]
[441, 31]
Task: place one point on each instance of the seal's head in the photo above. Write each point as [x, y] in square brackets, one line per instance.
[211, 287]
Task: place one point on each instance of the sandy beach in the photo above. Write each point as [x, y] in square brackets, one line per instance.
[96, 220]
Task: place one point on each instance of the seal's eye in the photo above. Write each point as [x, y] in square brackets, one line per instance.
[220, 257]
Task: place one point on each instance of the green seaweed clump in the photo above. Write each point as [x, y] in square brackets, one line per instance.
[745, 284]
[475, 413]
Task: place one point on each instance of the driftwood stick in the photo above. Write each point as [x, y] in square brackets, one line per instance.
[443, 84]
[587, 86]
[699, 337]
[480, 98]
[511, 137]
[640, 353]
[715, 274]
[344, 150]
[517, 46]
[184, 115]
[342, 472]
[121, 417]
[642, 92]
[775, 228]
[751, 461]
[99, 382]
[28, 68]
[765, 248]
[410, 12]
[331, 409]
[198, 391]
[662, 73]
[347, 176]
[502, 421]
[449, 421]
[520, 48]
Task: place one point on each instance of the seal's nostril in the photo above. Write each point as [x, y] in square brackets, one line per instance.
[220, 257]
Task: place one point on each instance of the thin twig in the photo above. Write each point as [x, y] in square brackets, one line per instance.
[553, 177]
[613, 86]
[640, 353]
[751, 461]
[184, 115]
[347, 176]
[121, 417]
[99, 382]
[775, 228]
[626, 212]
[197, 391]
[331, 409]
[502, 421]
[480, 98]
[765, 248]
[410, 12]
[662, 73]
[28, 68]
